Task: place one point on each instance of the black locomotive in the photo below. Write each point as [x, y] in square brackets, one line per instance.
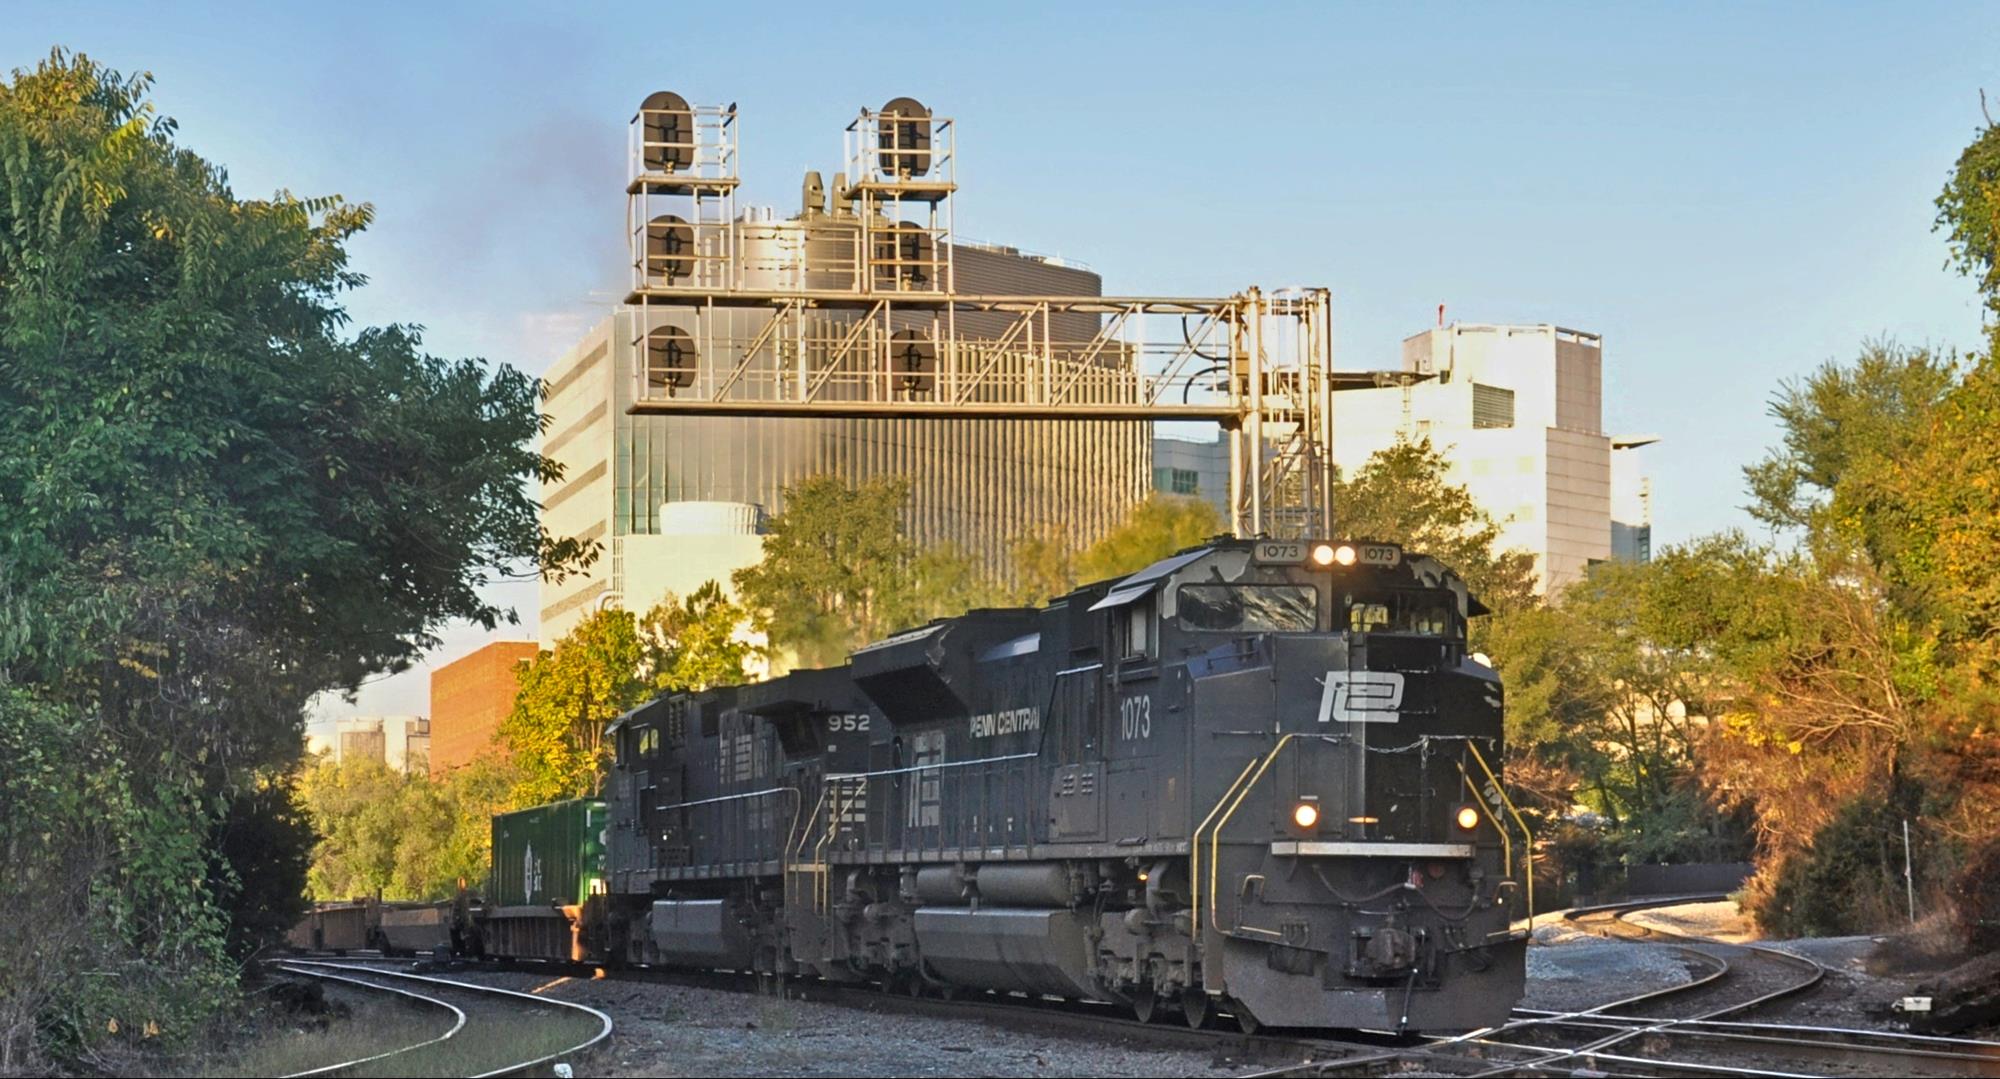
[1255, 777]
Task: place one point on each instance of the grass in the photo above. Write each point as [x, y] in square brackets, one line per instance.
[361, 1025]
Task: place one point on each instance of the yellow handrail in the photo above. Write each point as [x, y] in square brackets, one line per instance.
[1506, 840]
[1527, 836]
[799, 848]
[1215, 834]
[1194, 846]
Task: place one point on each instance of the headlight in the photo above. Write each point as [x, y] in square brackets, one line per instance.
[1467, 817]
[1306, 815]
[1322, 554]
[1344, 554]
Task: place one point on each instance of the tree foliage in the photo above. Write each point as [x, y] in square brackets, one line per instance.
[1044, 564]
[1969, 211]
[566, 698]
[214, 504]
[612, 662]
[1862, 656]
[1152, 530]
[397, 836]
[1596, 688]
[699, 642]
[1403, 494]
[1048, 563]
[840, 570]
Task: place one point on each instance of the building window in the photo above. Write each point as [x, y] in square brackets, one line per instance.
[1177, 481]
[1492, 406]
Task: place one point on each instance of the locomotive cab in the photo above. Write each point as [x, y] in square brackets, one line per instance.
[1351, 856]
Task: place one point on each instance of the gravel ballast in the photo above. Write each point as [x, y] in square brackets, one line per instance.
[665, 1029]
[1570, 970]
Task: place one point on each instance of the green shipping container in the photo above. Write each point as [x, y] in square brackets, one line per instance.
[548, 856]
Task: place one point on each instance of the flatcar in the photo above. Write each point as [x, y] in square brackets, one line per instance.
[1257, 777]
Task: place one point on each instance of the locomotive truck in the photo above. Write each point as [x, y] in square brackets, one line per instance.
[1258, 777]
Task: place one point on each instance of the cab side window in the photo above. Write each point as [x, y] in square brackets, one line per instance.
[1136, 638]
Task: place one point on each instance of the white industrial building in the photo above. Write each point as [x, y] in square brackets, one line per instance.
[1518, 411]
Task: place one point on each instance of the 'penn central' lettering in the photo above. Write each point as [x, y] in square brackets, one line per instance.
[1013, 721]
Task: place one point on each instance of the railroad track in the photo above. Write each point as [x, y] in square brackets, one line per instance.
[493, 1032]
[1082, 1020]
[1687, 1029]
[1696, 1026]
[1683, 1030]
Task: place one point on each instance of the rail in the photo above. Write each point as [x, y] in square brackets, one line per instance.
[457, 1025]
[604, 1024]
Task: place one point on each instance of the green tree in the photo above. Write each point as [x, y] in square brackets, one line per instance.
[357, 808]
[1154, 529]
[1044, 564]
[1969, 211]
[215, 503]
[1403, 495]
[833, 563]
[697, 643]
[840, 570]
[1839, 427]
[555, 733]
[400, 836]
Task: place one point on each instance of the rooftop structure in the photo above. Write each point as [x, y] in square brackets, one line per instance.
[860, 337]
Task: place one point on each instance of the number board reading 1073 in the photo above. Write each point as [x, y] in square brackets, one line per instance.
[1295, 551]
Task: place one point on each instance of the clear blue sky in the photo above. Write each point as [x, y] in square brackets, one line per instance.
[1730, 194]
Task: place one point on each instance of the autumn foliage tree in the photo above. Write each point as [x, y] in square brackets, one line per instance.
[612, 662]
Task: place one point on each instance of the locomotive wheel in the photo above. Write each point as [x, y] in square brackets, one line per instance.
[1244, 1019]
[1145, 1004]
[1196, 1008]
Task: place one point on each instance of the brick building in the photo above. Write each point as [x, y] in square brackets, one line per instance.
[469, 697]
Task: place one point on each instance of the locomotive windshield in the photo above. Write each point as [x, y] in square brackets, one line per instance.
[1430, 614]
[1249, 608]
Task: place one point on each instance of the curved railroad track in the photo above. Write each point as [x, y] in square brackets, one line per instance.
[496, 1032]
[1696, 1024]
[1688, 1029]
